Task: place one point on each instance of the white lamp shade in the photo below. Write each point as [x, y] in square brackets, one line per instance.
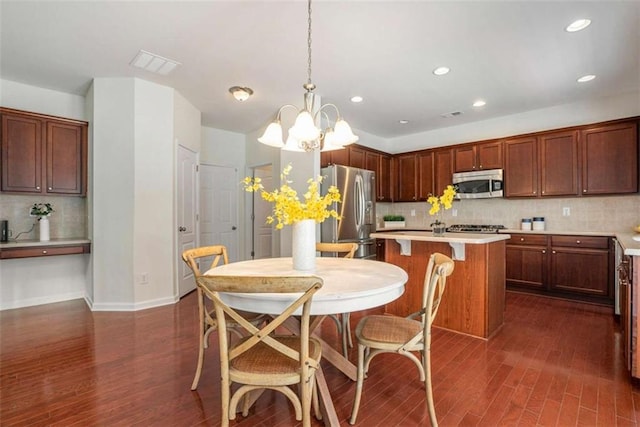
[272, 135]
[304, 129]
[292, 144]
[329, 143]
[343, 133]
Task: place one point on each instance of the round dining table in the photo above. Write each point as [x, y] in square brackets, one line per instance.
[349, 284]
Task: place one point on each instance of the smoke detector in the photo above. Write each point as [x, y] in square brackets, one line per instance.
[451, 114]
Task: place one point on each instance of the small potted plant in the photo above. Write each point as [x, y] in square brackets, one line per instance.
[393, 221]
[42, 211]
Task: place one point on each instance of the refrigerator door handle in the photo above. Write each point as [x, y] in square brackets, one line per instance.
[359, 202]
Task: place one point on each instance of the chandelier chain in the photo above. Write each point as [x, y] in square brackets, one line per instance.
[309, 45]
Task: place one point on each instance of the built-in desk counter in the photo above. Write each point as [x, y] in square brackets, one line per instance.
[474, 300]
[36, 248]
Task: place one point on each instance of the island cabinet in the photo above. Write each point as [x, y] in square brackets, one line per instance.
[479, 156]
[474, 299]
[43, 154]
[565, 266]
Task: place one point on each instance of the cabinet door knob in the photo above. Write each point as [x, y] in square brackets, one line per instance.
[584, 191]
[44, 252]
[50, 188]
[544, 251]
[522, 239]
[578, 242]
[37, 188]
[553, 252]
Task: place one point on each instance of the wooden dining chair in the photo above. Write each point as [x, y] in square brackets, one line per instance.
[379, 334]
[263, 359]
[343, 322]
[207, 323]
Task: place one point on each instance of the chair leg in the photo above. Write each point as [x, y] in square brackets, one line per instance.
[203, 332]
[359, 384]
[429, 390]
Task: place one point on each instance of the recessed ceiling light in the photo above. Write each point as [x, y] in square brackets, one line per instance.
[241, 93]
[586, 78]
[403, 122]
[479, 103]
[441, 71]
[153, 63]
[356, 99]
[578, 25]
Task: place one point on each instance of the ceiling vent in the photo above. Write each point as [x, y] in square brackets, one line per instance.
[452, 114]
[154, 63]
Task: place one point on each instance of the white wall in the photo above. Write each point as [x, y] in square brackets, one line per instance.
[40, 100]
[186, 123]
[32, 281]
[608, 108]
[113, 196]
[153, 194]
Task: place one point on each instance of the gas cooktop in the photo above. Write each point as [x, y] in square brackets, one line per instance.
[475, 228]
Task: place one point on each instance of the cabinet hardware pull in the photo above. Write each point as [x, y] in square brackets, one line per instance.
[584, 191]
[578, 242]
[44, 252]
[37, 188]
[544, 251]
[50, 188]
[553, 252]
[522, 239]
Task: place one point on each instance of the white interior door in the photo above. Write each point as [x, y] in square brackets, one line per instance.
[262, 232]
[219, 208]
[186, 217]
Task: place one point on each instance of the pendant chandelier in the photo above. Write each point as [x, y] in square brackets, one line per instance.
[305, 135]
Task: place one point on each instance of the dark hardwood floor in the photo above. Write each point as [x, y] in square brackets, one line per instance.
[553, 363]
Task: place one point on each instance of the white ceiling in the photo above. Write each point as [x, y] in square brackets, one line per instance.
[515, 55]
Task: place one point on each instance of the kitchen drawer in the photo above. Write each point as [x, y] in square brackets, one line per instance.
[528, 239]
[591, 242]
[29, 252]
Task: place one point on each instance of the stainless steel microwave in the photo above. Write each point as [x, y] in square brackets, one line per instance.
[483, 184]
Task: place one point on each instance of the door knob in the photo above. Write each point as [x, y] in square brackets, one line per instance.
[182, 228]
[234, 227]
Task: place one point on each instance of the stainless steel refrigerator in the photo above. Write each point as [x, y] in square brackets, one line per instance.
[357, 210]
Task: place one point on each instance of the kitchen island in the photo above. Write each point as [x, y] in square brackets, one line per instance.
[474, 300]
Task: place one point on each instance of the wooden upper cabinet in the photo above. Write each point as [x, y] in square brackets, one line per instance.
[521, 167]
[43, 154]
[425, 175]
[442, 169]
[381, 165]
[21, 154]
[559, 163]
[335, 157]
[610, 159]
[356, 157]
[407, 167]
[471, 157]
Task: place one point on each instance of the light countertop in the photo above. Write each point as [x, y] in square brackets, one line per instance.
[427, 236]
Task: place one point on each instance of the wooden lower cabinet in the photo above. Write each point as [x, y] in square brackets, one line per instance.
[572, 267]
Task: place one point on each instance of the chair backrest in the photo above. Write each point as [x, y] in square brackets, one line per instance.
[338, 248]
[438, 269]
[307, 286]
[191, 257]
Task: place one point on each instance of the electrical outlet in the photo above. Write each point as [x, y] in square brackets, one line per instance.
[144, 278]
[566, 211]
[413, 212]
[454, 212]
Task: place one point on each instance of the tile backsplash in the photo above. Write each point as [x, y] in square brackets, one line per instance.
[591, 214]
[69, 219]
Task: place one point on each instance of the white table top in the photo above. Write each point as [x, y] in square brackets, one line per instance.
[349, 284]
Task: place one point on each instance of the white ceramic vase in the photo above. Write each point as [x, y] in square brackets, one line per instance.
[304, 245]
[44, 229]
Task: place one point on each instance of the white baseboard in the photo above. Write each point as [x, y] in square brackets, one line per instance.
[29, 302]
[117, 306]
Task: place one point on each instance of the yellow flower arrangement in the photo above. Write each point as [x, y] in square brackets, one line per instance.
[445, 202]
[287, 208]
